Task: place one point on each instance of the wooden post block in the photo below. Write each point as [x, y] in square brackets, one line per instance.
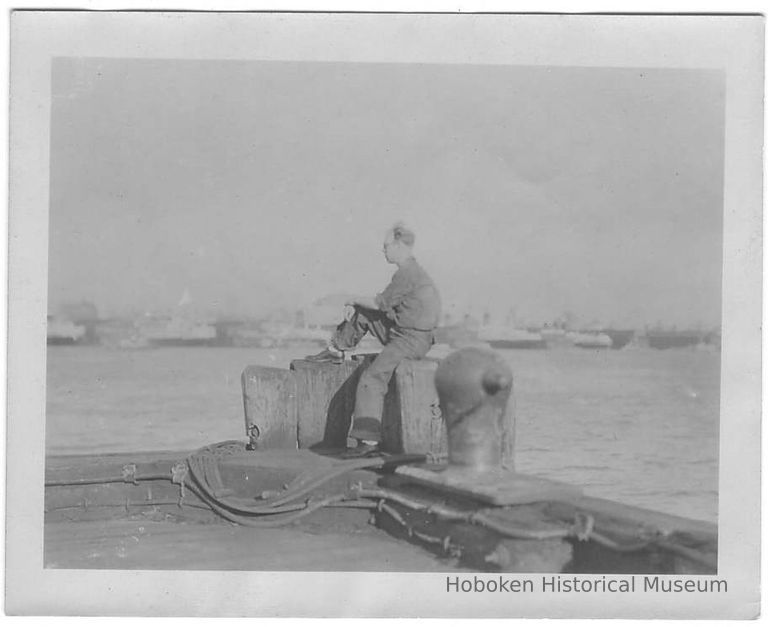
[325, 400]
[269, 398]
[312, 404]
[412, 421]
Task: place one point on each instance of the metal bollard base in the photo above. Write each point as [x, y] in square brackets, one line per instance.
[495, 486]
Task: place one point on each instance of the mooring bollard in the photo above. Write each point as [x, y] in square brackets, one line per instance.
[474, 386]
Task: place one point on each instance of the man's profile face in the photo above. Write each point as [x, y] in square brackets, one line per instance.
[390, 248]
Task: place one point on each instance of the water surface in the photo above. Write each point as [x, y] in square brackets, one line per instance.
[639, 426]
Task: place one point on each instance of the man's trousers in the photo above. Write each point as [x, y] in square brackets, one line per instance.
[398, 344]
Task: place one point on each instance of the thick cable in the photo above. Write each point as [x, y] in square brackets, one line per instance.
[479, 518]
[272, 521]
[102, 480]
[136, 504]
[340, 469]
[447, 513]
[237, 507]
[280, 503]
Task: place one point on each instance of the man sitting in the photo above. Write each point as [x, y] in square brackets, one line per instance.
[403, 318]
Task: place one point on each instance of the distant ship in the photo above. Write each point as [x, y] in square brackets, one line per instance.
[455, 335]
[272, 334]
[590, 339]
[281, 334]
[673, 339]
[619, 337]
[554, 337]
[510, 337]
[176, 331]
[250, 336]
[63, 332]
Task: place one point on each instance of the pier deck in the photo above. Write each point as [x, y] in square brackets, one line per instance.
[125, 525]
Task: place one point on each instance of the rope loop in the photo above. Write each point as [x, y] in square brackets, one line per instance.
[583, 526]
[129, 474]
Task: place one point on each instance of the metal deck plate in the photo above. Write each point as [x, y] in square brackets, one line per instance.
[496, 487]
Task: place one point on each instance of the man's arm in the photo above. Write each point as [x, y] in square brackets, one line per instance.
[363, 301]
[390, 298]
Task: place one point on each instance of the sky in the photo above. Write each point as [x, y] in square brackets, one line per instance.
[257, 185]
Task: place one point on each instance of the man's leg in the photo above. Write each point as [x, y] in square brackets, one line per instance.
[371, 390]
[374, 381]
[349, 333]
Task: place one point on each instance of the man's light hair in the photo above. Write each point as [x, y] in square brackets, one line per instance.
[401, 233]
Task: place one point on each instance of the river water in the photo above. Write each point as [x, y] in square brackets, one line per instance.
[636, 425]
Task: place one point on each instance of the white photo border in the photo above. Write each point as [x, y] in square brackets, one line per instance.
[733, 44]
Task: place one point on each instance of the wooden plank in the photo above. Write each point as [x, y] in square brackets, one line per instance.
[412, 421]
[325, 400]
[496, 487]
[348, 543]
[613, 510]
[269, 398]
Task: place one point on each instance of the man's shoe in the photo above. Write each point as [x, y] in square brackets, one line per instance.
[361, 450]
[325, 356]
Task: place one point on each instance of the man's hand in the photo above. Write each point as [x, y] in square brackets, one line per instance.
[362, 301]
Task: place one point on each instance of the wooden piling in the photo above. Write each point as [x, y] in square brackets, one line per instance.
[412, 420]
[269, 398]
[325, 400]
[311, 405]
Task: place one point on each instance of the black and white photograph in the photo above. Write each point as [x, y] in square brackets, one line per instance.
[461, 308]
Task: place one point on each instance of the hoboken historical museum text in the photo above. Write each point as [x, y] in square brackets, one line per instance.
[584, 584]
